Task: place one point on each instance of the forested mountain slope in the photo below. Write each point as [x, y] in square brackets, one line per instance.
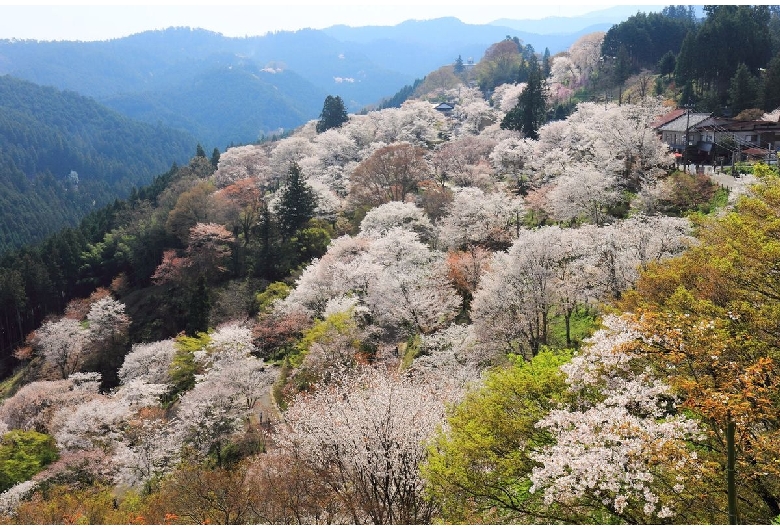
[142, 75]
[63, 155]
[288, 72]
[493, 314]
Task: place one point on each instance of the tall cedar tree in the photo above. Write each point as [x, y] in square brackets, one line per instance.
[529, 113]
[334, 114]
[459, 65]
[298, 202]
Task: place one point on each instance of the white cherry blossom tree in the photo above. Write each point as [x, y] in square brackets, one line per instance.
[623, 446]
[365, 441]
[478, 218]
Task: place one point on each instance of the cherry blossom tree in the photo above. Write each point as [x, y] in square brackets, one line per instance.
[288, 151]
[464, 162]
[381, 219]
[149, 447]
[225, 393]
[478, 218]
[513, 156]
[365, 441]
[617, 141]
[621, 250]
[241, 163]
[339, 271]
[99, 422]
[171, 268]
[585, 54]
[416, 122]
[148, 362]
[399, 279]
[475, 116]
[505, 96]
[209, 247]
[411, 290]
[542, 273]
[62, 344]
[583, 193]
[13, 497]
[563, 71]
[33, 406]
[627, 450]
[108, 321]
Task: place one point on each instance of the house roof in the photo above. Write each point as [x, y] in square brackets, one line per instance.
[733, 126]
[666, 118]
[680, 123]
[755, 151]
[444, 106]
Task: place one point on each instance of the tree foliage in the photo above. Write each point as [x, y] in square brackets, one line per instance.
[476, 469]
[333, 114]
[297, 202]
[23, 454]
[531, 110]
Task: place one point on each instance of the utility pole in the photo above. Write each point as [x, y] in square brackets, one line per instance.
[688, 107]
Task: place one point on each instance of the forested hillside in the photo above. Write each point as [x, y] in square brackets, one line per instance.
[63, 155]
[272, 81]
[516, 310]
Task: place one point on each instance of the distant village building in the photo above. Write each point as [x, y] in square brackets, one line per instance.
[445, 108]
[704, 138]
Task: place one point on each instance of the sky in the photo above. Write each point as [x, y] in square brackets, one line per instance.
[102, 21]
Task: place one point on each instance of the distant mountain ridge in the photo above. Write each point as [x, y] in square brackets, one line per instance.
[225, 90]
[560, 25]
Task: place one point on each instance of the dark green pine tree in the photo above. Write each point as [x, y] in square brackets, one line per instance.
[459, 65]
[199, 151]
[530, 112]
[546, 63]
[742, 90]
[298, 202]
[215, 158]
[667, 64]
[334, 114]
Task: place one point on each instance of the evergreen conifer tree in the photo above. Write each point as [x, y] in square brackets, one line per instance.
[530, 112]
[459, 65]
[546, 63]
[298, 202]
[333, 115]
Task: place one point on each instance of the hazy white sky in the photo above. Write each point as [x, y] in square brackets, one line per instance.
[102, 20]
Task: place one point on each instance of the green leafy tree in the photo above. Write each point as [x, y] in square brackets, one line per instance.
[333, 115]
[479, 469]
[184, 367]
[23, 454]
[298, 202]
[530, 112]
[711, 322]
